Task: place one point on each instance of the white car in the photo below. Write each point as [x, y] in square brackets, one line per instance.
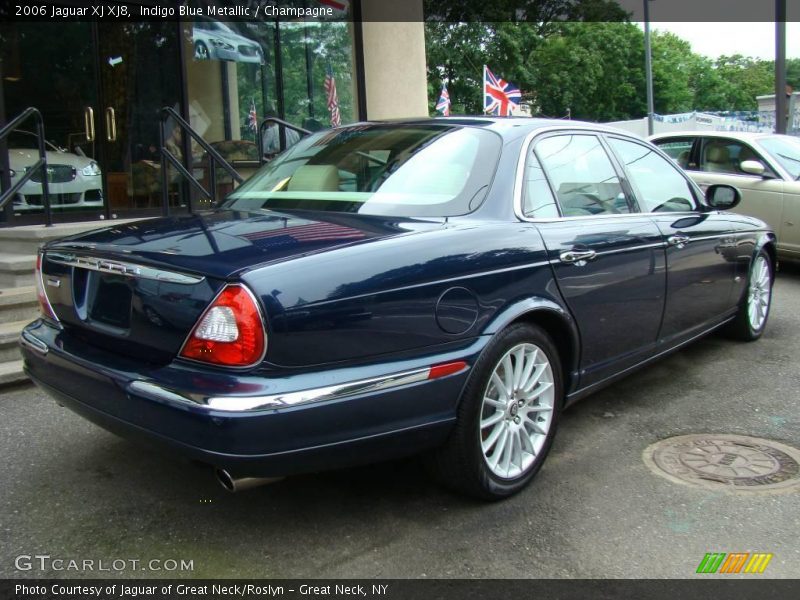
[74, 181]
[765, 167]
[213, 40]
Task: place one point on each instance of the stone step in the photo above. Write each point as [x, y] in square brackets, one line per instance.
[16, 270]
[18, 304]
[9, 344]
[11, 372]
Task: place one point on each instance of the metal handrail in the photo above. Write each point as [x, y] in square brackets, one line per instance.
[8, 194]
[214, 158]
[283, 125]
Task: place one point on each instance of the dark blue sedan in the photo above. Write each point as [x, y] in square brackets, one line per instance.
[383, 289]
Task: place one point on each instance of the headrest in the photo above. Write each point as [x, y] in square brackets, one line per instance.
[718, 154]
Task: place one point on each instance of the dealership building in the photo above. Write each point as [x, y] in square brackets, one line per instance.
[101, 86]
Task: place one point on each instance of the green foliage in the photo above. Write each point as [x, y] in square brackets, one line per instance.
[594, 70]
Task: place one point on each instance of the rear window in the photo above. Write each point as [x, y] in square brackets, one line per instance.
[397, 170]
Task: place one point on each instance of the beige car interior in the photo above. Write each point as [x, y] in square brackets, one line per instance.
[718, 159]
[315, 178]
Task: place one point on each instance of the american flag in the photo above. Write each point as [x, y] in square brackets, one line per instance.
[312, 232]
[332, 97]
[443, 105]
[252, 118]
[500, 97]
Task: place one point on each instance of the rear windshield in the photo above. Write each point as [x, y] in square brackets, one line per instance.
[396, 170]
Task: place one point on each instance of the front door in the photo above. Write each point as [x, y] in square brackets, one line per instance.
[139, 66]
[700, 251]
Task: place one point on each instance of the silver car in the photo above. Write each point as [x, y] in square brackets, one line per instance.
[764, 167]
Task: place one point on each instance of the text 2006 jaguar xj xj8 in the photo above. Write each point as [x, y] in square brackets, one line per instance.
[382, 289]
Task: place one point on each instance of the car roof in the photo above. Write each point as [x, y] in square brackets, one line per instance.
[508, 127]
[740, 135]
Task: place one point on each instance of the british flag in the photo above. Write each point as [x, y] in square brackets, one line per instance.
[443, 105]
[252, 117]
[500, 98]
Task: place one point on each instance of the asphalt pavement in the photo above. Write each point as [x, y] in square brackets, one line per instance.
[72, 491]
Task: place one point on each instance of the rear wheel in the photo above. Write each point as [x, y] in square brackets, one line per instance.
[507, 416]
[751, 319]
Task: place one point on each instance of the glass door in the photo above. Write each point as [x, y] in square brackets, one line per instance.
[47, 65]
[139, 74]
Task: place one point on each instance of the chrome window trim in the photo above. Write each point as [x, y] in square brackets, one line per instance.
[519, 175]
[117, 267]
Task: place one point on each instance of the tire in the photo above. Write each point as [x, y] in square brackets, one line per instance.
[469, 461]
[751, 318]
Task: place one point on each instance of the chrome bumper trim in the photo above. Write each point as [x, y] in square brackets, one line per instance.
[273, 401]
[31, 342]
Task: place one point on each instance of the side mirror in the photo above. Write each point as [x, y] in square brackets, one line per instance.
[753, 167]
[722, 197]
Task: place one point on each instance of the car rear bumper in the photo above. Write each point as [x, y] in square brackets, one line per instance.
[267, 425]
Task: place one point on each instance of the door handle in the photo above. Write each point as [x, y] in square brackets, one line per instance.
[578, 257]
[679, 240]
[111, 125]
[88, 123]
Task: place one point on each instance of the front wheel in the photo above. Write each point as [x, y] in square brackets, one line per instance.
[507, 416]
[751, 319]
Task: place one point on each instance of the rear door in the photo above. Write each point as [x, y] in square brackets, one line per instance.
[608, 261]
[701, 250]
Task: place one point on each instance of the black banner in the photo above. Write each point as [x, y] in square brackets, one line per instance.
[393, 589]
[400, 11]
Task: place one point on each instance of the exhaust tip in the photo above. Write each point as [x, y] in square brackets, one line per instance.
[237, 484]
[225, 480]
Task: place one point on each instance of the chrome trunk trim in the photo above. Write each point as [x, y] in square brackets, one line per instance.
[117, 267]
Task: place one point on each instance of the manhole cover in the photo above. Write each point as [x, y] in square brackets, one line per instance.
[735, 463]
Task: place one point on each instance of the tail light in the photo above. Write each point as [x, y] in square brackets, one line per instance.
[41, 295]
[230, 332]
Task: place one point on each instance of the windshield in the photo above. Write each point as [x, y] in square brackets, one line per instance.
[395, 170]
[25, 140]
[786, 150]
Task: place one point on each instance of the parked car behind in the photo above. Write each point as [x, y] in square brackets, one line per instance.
[73, 181]
[764, 167]
[445, 286]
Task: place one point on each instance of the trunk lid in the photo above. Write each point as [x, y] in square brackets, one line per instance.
[138, 289]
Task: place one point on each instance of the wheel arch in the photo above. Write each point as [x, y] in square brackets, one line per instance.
[556, 322]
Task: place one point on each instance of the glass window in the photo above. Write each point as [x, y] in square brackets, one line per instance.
[538, 200]
[786, 150]
[659, 185]
[412, 171]
[722, 155]
[582, 175]
[678, 149]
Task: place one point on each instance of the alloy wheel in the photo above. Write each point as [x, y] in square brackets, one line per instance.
[517, 411]
[759, 293]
